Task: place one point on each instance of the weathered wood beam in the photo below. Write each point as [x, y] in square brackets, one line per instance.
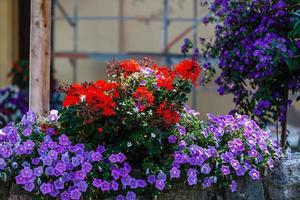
[40, 51]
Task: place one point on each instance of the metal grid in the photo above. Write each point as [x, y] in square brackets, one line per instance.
[75, 54]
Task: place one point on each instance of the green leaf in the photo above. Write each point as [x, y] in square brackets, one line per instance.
[293, 64]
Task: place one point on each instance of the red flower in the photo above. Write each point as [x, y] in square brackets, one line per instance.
[101, 95]
[129, 67]
[141, 94]
[74, 93]
[71, 100]
[167, 112]
[98, 96]
[100, 130]
[188, 70]
[165, 77]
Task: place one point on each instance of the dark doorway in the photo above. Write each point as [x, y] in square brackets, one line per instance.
[24, 29]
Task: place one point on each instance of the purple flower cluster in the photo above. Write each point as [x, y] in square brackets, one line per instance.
[13, 104]
[248, 150]
[159, 181]
[212, 152]
[254, 47]
[48, 165]
[66, 167]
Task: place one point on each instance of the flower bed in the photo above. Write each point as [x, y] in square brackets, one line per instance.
[132, 135]
[14, 100]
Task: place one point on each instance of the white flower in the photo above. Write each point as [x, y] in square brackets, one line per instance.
[53, 116]
[54, 112]
[153, 135]
[82, 98]
[129, 144]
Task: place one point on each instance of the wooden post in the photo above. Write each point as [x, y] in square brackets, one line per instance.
[40, 51]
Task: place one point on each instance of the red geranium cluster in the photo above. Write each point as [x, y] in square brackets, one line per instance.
[165, 77]
[98, 96]
[168, 113]
[150, 88]
[129, 67]
[188, 69]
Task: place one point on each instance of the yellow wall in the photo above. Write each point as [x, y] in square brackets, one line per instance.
[8, 38]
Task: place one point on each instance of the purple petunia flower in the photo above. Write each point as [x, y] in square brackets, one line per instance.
[86, 167]
[205, 169]
[101, 149]
[235, 164]
[174, 172]
[192, 180]
[52, 154]
[160, 184]
[65, 158]
[253, 153]
[27, 132]
[211, 151]
[192, 172]
[181, 129]
[141, 183]
[50, 131]
[29, 119]
[59, 184]
[151, 179]
[227, 157]
[49, 171]
[133, 184]
[130, 196]
[207, 182]
[35, 161]
[255, 175]
[65, 196]
[29, 187]
[46, 188]
[38, 171]
[75, 194]
[120, 197]
[162, 176]
[172, 139]
[80, 175]
[75, 161]
[97, 182]
[82, 186]
[64, 140]
[96, 156]
[114, 185]
[26, 172]
[236, 146]
[182, 144]
[240, 171]
[105, 186]
[60, 167]
[225, 170]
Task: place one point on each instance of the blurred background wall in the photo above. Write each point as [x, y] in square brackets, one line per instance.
[8, 37]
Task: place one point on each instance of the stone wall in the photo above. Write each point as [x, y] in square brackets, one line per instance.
[282, 184]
